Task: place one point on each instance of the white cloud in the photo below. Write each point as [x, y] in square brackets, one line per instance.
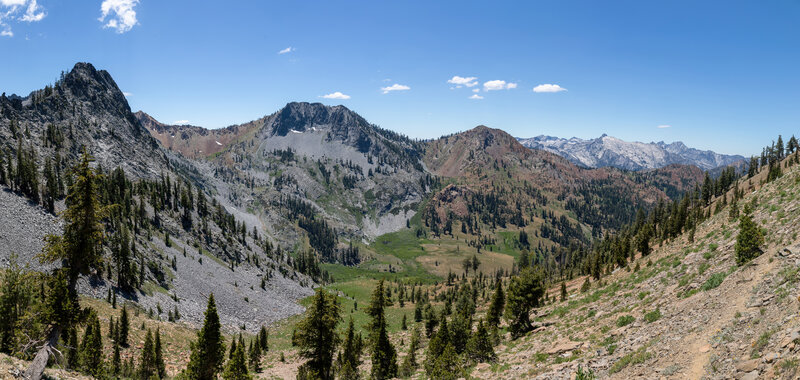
[498, 85]
[663, 126]
[463, 81]
[548, 88]
[476, 90]
[120, 14]
[476, 96]
[395, 87]
[34, 12]
[11, 10]
[180, 122]
[127, 94]
[287, 50]
[336, 95]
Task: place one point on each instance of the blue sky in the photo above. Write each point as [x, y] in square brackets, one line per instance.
[722, 75]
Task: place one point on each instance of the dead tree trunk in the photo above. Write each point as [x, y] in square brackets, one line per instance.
[39, 363]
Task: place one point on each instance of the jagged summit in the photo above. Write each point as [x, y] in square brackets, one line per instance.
[84, 108]
[611, 151]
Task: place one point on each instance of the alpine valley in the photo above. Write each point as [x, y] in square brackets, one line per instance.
[474, 255]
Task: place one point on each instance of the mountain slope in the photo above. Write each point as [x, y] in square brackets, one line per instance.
[500, 189]
[610, 151]
[687, 311]
[173, 216]
[192, 141]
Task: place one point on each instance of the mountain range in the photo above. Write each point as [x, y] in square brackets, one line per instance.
[319, 180]
[610, 151]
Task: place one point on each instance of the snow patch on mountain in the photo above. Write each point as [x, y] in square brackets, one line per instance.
[611, 151]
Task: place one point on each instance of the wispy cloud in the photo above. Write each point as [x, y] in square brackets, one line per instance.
[11, 10]
[548, 88]
[127, 94]
[664, 126]
[476, 96]
[463, 81]
[287, 50]
[120, 13]
[336, 95]
[498, 85]
[395, 87]
[180, 122]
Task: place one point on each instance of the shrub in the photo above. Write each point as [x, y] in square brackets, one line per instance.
[653, 316]
[713, 281]
[625, 320]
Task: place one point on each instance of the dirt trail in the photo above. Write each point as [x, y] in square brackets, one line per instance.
[729, 299]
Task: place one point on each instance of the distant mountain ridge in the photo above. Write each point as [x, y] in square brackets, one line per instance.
[610, 151]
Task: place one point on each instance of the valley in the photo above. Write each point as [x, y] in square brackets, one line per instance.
[610, 272]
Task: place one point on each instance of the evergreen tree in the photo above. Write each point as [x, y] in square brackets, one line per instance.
[51, 187]
[91, 350]
[437, 345]
[209, 349]
[147, 364]
[447, 365]
[496, 306]
[316, 336]
[159, 354]
[124, 326]
[479, 347]
[524, 292]
[116, 361]
[750, 238]
[563, 291]
[384, 356]
[79, 251]
[263, 338]
[255, 356]
[73, 357]
[236, 368]
[351, 354]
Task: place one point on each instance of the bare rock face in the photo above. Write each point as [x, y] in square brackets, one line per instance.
[84, 108]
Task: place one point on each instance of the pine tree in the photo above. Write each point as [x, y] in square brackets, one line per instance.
[524, 292]
[351, 354]
[496, 307]
[159, 353]
[437, 345]
[237, 367]
[384, 356]
[479, 347]
[232, 349]
[51, 187]
[209, 349]
[73, 357]
[316, 336]
[122, 258]
[563, 291]
[124, 326]
[447, 365]
[750, 238]
[255, 356]
[116, 361]
[147, 362]
[263, 338]
[91, 350]
[79, 251]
